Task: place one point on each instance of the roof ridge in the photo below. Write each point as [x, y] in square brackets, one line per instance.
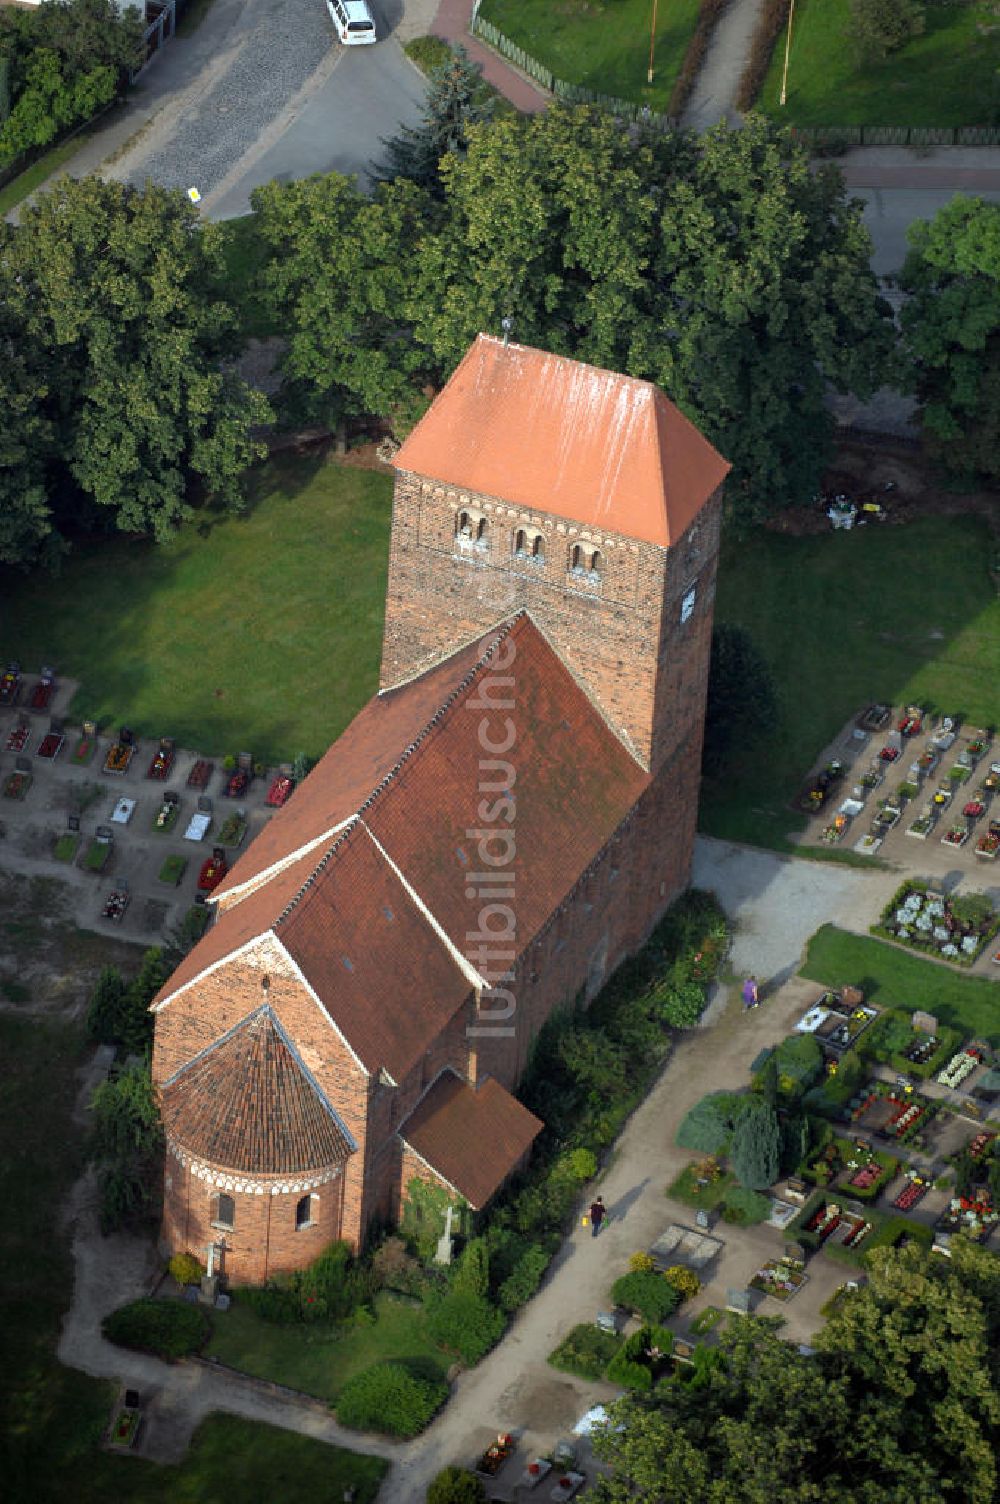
[503, 631]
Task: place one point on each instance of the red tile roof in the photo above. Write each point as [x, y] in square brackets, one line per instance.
[539, 430]
[380, 969]
[391, 984]
[574, 784]
[355, 765]
[473, 1138]
[248, 1104]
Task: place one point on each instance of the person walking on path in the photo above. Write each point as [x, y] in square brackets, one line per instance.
[751, 995]
[598, 1212]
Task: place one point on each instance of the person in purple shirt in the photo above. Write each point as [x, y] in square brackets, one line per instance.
[750, 993]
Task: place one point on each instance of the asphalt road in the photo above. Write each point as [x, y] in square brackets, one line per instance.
[262, 91]
[367, 95]
[890, 211]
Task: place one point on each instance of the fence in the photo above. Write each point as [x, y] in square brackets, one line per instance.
[573, 93]
[897, 135]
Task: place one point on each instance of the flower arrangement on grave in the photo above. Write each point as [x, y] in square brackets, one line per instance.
[974, 809]
[957, 835]
[872, 778]
[989, 844]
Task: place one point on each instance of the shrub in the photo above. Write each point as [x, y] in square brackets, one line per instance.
[167, 1328]
[709, 1123]
[525, 1277]
[709, 12]
[585, 1351]
[577, 1165]
[745, 1207]
[798, 1061]
[387, 1397]
[756, 1143]
[642, 1358]
[648, 1294]
[879, 27]
[330, 1289]
[771, 21]
[683, 1005]
[396, 1269]
[185, 1269]
[453, 1485]
[105, 1007]
[641, 1263]
[465, 1324]
[684, 1280]
[422, 1223]
[472, 1272]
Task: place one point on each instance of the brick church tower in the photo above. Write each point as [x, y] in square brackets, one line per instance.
[585, 497]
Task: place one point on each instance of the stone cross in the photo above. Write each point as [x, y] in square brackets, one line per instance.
[210, 1248]
[444, 1248]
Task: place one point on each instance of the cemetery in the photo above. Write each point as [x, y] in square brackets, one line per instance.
[865, 1127]
[899, 771]
[53, 809]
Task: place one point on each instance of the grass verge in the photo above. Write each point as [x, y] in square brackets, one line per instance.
[602, 44]
[883, 613]
[892, 979]
[319, 1358]
[259, 632]
[686, 1189]
[946, 77]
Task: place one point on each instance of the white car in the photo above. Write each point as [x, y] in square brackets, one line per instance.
[354, 22]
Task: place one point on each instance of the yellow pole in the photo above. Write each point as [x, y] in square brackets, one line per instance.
[652, 45]
[788, 46]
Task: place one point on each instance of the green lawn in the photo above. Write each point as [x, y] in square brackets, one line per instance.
[259, 633]
[603, 44]
[892, 979]
[946, 77]
[320, 1358]
[685, 1188]
[881, 613]
[52, 1417]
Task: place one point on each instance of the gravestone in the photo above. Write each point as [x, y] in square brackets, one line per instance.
[701, 1218]
[926, 1023]
[738, 1301]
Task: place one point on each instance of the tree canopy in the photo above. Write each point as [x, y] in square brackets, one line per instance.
[721, 267]
[899, 1403]
[115, 342]
[951, 334]
[65, 59]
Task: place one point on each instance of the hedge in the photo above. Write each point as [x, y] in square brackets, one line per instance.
[771, 22]
[652, 1296]
[387, 1397]
[166, 1328]
[630, 1366]
[465, 1323]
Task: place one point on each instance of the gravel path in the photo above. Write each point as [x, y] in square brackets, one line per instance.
[276, 47]
[715, 87]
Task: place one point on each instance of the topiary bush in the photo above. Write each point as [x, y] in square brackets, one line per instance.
[648, 1294]
[464, 1323]
[387, 1397]
[453, 1485]
[185, 1269]
[525, 1277]
[167, 1328]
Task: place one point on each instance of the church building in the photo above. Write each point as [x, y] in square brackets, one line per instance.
[497, 829]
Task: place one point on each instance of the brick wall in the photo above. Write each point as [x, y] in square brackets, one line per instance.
[442, 594]
[264, 1239]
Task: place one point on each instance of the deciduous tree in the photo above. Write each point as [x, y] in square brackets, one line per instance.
[879, 27]
[951, 332]
[112, 291]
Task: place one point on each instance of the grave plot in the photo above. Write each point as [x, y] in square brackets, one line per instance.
[953, 927]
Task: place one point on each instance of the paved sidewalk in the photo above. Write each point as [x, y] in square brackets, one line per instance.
[452, 23]
[714, 93]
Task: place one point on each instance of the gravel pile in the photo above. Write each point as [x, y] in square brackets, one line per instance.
[287, 42]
